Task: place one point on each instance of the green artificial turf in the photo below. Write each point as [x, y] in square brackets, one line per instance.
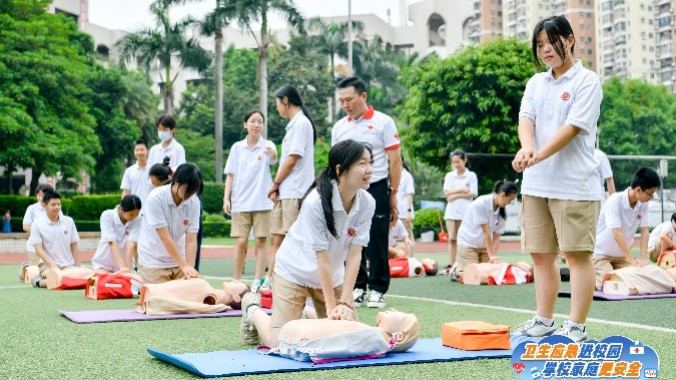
[38, 343]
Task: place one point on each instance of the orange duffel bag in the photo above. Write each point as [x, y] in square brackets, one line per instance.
[475, 336]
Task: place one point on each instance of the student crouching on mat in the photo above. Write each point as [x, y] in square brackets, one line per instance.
[248, 179]
[460, 187]
[120, 229]
[662, 238]
[54, 238]
[33, 212]
[620, 216]
[320, 255]
[326, 340]
[167, 243]
[484, 223]
[557, 132]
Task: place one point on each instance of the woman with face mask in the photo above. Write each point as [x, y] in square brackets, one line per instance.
[169, 147]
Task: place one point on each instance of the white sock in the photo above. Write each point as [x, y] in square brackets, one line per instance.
[250, 310]
[573, 324]
[546, 321]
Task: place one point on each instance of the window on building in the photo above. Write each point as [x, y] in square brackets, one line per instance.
[103, 50]
[589, 52]
[436, 30]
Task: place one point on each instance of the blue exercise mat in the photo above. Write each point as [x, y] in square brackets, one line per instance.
[250, 362]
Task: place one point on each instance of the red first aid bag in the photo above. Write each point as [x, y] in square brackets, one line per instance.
[406, 267]
[102, 286]
[71, 283]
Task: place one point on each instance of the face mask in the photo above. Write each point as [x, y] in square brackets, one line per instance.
[164, 135]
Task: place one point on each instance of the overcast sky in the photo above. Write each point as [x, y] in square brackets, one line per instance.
[130, 15]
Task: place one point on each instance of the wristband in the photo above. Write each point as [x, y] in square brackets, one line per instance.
[276, 183]
[409, 210]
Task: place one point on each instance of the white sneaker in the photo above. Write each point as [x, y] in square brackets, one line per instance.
[255, 285]
[377, 299]
[451, 272]
[574, 331]
[359, 296]
[535, 327]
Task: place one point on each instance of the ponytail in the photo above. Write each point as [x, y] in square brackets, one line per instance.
[292, 95]
[325, 189]
[508, 188]
[306, 112]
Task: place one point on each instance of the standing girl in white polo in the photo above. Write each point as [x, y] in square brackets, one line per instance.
[120, 228]
[248, 179]
[460, 187]
[167, 244]
[321, 254]
[484, 223]
[296, 166]
[560, 207]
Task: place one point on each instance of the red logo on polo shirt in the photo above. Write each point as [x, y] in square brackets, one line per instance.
[351, 232]
[565, 96]
[370, 127]
[396, 136]
[258, 158]
[638, 216]
[185, 221]
[126, 232]
[65, 232]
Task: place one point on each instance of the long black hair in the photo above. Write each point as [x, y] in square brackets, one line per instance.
[188, 174]
[557, 28]
[253, 112]
[345, 153]
[292, 95]
[507, 187]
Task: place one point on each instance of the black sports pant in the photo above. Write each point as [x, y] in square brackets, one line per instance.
[378, 276]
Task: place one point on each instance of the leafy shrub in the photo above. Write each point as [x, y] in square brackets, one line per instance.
[427, 219]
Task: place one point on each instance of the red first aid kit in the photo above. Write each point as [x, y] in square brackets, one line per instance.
[475, 336]
[266, 299]
[103, 286]
[70, 283]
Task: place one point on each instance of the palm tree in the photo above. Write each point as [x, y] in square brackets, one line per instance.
[328, 39]
[248, 12]
[159, 44]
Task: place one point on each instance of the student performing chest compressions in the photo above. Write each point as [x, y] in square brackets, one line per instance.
[320, 255]
[120, 229]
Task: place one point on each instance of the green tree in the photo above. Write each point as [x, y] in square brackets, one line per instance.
[637, 118]
[159, 43]
[248, 13]
[199, 150]
[45, 122]
[470, 100]
[139, 102]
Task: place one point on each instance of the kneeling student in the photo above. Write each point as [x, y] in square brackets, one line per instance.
[120, 228]
[167, 243]
[620, 216]
[484, 223]
[54, 238]
[663, 238]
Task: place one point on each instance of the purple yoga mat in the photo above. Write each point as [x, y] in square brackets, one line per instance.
[600, 296]
[128, 315]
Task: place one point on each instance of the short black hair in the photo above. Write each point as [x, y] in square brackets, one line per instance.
[556, 28]
[141, 141]
[130, 202]
[673, 217]
[43, 187]
[646, 178]
[166, 121]
[355, 82]
[189, 174]
[49, 195]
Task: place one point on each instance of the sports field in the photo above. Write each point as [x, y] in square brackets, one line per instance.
[38, 343]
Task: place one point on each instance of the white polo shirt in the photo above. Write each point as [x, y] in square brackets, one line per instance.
[603, 170]
[572, 99]
[478, 213]
[298, 140]
[397, 233]
[161, 211]
[112, 229]
[657, 232]
[55, 238]
[617, 213]
[455, 210]
[296, 259]
[375, 128]
[251, 179]
[136, 181]
[174, 151]
[33, 212]
[406, 188]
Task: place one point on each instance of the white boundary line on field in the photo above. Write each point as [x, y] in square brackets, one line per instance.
[532, 312]
[15, 287]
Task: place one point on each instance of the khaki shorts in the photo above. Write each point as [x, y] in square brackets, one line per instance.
[284, 213]
[604, 265]
[160, 275]
[452, 227]
[288, 300]
[45, 269]
[243, 221]
[409, 228]
[469, 255]
[553, 225]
